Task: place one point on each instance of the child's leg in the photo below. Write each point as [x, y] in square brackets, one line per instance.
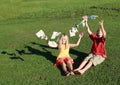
[65, 69]
[70, 67]
[81, 65]
[85, 68]
[84, 62]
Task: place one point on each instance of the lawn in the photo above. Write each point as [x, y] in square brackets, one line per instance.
[27, 60]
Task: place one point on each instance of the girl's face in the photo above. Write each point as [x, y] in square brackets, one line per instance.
[64, 39]
[99, 33]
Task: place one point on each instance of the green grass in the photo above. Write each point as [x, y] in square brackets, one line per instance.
[26, 60]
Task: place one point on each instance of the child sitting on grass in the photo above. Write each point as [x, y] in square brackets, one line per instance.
[64, 58]
[63, 46]
[98, 52]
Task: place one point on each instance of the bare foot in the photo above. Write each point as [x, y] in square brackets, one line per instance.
[67, 73]
[72, 73]
[76, 70]
[79, 72]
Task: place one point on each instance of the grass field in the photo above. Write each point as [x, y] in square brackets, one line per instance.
[27, 60]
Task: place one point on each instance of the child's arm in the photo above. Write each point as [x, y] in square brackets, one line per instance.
[102, 28]
[87, 27]
[78, 42]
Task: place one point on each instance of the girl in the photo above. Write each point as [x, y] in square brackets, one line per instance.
[64, 58]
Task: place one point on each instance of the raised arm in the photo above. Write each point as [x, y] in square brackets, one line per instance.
[78, 42]
[102, 28]
[87, 27]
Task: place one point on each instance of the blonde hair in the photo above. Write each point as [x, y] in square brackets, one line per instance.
[60, 40]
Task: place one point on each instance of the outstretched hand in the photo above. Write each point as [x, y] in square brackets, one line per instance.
[101, 22]
[86, 19]
[81, 34]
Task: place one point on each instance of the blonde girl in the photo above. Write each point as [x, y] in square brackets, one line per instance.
[64, 58]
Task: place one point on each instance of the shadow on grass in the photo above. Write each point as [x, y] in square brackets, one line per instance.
[77, 61]
[80, 57]
[53, 60]
[48, 55]
[12, 55]
[45, 53]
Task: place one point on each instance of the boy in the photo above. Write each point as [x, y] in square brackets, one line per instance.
[98, 52]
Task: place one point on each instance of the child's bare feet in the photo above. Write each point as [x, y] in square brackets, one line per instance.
[72, 73]
[79, 71]
[67, 73]
[75, 70]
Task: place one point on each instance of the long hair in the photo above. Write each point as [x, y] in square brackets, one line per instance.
[60, 40]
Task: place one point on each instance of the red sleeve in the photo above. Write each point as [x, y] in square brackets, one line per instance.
[103, 39]
[92, 36]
